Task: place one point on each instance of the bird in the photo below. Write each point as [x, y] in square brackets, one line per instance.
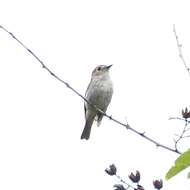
[99, 94]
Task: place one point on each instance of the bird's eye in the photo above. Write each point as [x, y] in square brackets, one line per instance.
[99, 68]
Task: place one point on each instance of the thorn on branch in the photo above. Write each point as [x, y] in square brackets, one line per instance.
[127, 126]
[29, 51]
[43, 66]
[52, 73]
[143, 133]
[67, 85]
[110, 117]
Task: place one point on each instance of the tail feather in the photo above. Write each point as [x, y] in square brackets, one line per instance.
[87, 129]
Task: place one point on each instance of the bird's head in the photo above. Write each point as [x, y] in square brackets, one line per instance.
[101, 70]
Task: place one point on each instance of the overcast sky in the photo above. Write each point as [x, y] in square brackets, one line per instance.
[42, 120]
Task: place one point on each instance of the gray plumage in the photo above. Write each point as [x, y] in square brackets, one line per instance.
[98, 93]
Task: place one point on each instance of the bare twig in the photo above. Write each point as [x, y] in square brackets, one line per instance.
[124, 182]
[184, 131]
[179, 118]
[187, 136]
[127, 126]
[179, 45]
[181, 136]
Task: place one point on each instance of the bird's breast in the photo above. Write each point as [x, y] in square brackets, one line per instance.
[100, 93]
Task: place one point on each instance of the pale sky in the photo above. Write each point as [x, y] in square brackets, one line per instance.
[42, 120]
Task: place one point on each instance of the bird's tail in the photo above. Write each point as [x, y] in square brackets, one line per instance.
[87, 129]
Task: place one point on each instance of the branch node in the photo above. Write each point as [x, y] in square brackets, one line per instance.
[67, 85]
[176, 150]
[110, 117]
[179, 45]
[127, 126]
[29, 51]
[51, 72]
[142, 134]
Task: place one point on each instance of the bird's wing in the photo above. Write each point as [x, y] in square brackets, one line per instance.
[85, 109]
[86, 95]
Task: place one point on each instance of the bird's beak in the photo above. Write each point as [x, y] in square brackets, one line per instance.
[108, 67]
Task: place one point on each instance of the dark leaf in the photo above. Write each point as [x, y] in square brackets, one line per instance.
[158, 184]
[139, 187]
[111, 170]
[135, 178]
[185, 113]
[119, 187]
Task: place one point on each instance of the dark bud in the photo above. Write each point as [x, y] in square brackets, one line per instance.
[139, 187]
[119, 187]
[111, 170]
[185, 113]
[158, 184]
[135, 178]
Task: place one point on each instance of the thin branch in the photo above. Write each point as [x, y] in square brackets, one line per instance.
[124, 182]
[181, 136]
[187, 136]
[81, 96]
[179, 118]
[187, 129]
[184, 131]
[179, 45]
